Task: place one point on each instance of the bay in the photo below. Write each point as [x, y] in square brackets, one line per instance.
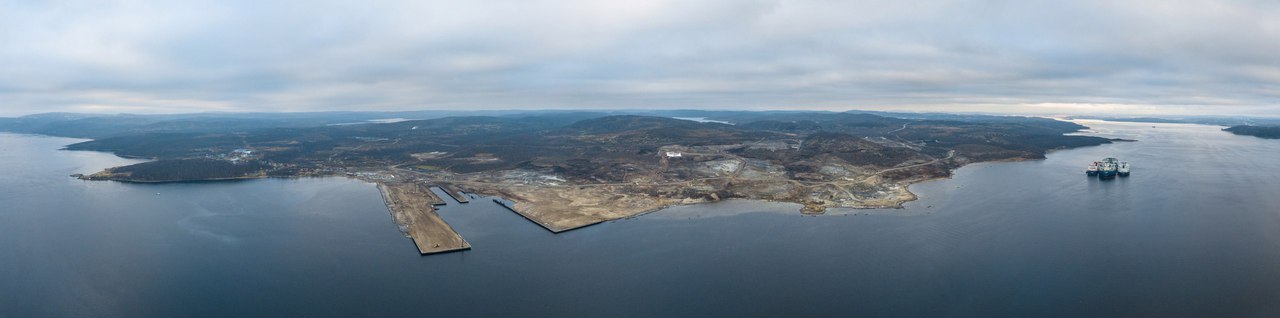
[1194, 232]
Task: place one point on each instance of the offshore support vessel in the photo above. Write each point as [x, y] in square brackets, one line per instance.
[1108, 168]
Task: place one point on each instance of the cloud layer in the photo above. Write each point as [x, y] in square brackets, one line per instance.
[1139, 56]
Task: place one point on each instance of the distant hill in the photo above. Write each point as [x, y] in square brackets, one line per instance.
[1269, 132]
[96, 126]
[584, 145]
[636, 122]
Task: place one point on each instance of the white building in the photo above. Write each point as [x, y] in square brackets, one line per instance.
[673, 154]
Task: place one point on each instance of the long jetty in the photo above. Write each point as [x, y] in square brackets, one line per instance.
[412, 207]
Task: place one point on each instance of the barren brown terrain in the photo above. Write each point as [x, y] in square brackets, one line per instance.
[411, 207]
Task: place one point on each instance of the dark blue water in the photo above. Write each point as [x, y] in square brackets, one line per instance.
[1194, 232]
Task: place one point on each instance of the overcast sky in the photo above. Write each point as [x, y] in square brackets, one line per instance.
[1020, 56]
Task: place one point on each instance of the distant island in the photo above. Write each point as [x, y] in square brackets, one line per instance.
[1268, 132]
[566, 170]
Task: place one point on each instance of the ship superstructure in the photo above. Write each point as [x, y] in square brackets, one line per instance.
[1108, 168]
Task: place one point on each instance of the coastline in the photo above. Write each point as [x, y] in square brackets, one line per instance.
[530, 211]
[127, 180]
[896, 204]
[418, 220]
[905, 195]
[573, 206]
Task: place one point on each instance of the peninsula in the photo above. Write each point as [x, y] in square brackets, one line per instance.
[1267, 132]
[567, 170]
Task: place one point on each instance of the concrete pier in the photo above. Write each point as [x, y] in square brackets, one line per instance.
[432, 198]
[412, 208]
[455, 194]
[549, 227]
[512, 206]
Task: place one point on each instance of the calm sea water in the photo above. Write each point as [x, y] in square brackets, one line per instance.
[1194, 232]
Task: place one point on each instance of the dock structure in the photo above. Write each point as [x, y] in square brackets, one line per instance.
[549, 227]
[412, 208]
[432, 198]
[512, 206]
[455, 194]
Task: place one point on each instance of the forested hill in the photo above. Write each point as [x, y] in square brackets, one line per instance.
[597, 145]
[184, 170]
[1269, 132]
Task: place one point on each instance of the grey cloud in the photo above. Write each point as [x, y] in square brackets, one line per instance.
[1141, 56]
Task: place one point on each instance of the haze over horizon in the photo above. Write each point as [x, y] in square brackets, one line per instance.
[1142, 57]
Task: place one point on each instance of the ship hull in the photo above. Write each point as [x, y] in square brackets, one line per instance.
[1108, 168]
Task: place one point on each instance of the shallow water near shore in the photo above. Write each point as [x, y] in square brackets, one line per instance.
[1194, 232]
